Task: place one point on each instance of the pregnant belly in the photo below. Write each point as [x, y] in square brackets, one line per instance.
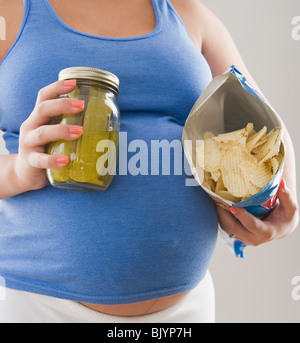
[146, 237]
[137, 309]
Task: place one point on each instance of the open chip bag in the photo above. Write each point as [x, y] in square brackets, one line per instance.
[232, 141]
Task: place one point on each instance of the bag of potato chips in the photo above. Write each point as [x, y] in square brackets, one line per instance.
[237, 153]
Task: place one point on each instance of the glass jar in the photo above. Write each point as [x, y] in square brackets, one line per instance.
[93, 157]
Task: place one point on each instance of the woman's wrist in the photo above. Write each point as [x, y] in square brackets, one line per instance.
[10, 182]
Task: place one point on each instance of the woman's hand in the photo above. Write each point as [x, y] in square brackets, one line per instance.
[252, 231]
[32, 160]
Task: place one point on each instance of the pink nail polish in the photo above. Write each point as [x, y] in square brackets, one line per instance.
[62, 159]
[283, 184]
[77, 103]
[233, 210]
[69, 83]
[76, 130]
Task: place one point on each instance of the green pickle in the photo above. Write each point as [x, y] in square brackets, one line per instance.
[59, 148]
[95, 129]
[84, 170]
[63, 147]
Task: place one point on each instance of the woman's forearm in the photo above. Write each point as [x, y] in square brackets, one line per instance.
[289, 172]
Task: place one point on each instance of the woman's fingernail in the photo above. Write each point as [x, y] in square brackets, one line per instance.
[283, 184]
[62, 159]
[76, 130]
[77, 103]
[233, 210]
[69, 83]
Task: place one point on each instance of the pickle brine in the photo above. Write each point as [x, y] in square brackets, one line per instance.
[100, 118]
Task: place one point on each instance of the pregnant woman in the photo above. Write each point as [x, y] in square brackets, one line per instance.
[140, 251]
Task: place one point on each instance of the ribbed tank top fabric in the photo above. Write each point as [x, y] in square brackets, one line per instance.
[147, 236]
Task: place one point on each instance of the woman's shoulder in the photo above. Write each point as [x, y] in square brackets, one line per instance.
[190, 6]
[196, 16]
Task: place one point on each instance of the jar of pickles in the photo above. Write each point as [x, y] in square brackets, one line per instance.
[93, 157]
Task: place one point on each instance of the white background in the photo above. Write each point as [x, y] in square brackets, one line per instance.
[259, 288]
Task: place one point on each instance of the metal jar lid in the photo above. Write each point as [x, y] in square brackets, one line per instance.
[103, 76]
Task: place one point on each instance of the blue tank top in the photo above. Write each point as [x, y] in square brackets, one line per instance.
[147, 236]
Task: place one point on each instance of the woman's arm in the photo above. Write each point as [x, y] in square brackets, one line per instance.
[221, 53]
[27, 170]
[10, 184]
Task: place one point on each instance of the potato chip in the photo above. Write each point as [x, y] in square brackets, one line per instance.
[270, 148]
[273, 164]
[258, 144]
[220, 185]
[250, 130]
[216, 175]
[259, 175]
[209, 181]
[279, 158]
[208, 155]
[233, 178]
[212, 155]
[239, 164]
[228, 196]
[200, 153]
[207, 185]
[232, 137]
[208, 135]
[251, 142]
[208, 176]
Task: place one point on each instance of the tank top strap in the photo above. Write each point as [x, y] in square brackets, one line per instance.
[169, 16]
[161, 7]
[39, 9]
[36, 5]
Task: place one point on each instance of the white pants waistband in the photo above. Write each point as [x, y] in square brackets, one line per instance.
[198, 306]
